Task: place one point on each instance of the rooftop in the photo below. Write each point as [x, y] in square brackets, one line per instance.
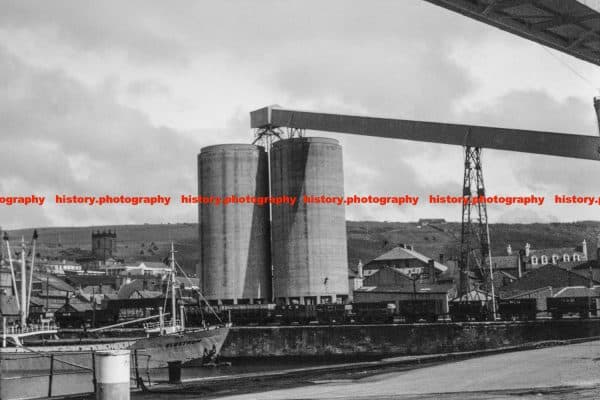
[545, 276]
[578, 291]
[559, 251]
[506, 262]
[401, 253]
[153, 264]
[392, 280]
[420, 288]
[54, 282]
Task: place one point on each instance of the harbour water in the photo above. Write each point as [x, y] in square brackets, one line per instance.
[563, 372]
[560, 372]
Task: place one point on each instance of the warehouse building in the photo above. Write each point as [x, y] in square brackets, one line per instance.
[405, 259]
[391, 285]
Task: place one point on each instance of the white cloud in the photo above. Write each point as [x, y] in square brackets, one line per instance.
[119, 97]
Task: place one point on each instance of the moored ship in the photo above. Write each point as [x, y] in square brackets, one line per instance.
[29, 347]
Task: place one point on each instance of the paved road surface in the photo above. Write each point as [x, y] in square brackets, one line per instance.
[564, 372]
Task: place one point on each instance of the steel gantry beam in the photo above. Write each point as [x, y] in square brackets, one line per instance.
[569, 26]
[525, 141]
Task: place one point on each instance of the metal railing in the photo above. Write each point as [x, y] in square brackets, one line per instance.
[31, 328]
[166, 324]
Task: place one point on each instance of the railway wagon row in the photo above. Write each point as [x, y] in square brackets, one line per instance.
[402, 312]
[114, 311]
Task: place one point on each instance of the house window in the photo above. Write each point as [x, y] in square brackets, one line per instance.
[566, 258]
[544, 260]
[554, 259]
[534, 260]
[576, 257]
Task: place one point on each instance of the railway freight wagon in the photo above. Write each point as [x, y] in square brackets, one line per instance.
[420, 310]
[373, 313]
[268, 314]
[461, 311]
[517, 309]
[312, 313]
[247, 314]
[572, 306]
[77, 317]
[80, 315]
[333, 313]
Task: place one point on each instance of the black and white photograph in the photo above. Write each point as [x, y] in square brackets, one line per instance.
[285, 199]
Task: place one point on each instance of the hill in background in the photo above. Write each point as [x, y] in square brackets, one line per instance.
[366, 239]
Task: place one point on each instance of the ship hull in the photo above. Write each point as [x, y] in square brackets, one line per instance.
[154, 352]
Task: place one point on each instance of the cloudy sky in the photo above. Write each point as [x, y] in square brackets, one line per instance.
[118, 97]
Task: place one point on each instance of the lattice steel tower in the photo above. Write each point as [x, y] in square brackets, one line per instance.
[475, 234]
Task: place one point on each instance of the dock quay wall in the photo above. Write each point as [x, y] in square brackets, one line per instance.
[397, 340]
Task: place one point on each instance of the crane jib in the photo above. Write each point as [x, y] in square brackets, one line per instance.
[520, 140]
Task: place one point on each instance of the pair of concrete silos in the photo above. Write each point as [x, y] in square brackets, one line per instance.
[297, 255]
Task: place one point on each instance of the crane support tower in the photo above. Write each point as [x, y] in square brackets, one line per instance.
[475, 246]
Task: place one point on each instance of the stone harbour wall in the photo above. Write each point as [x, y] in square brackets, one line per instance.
[397, 340]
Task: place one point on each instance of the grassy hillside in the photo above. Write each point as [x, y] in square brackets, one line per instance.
[366, 239]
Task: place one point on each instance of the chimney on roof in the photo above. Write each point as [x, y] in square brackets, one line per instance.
[360, 268]
[509, 249]
[409, 247]
[584, 249]
[527, 249]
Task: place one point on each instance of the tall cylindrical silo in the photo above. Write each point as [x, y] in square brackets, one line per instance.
[235, 258]
[310, 261]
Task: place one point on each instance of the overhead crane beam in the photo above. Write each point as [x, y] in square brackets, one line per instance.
[525, 141]
[569, 26]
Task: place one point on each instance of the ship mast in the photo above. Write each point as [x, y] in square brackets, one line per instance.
[35, 236]
[173, 298]
[23, 308]
[12, 271]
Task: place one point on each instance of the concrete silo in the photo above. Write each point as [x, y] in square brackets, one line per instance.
[235, 262]
[310, 261]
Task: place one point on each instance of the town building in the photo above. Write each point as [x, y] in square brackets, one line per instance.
[514, 264]
[93, 283]
[104, 244]
[142, 268]
[60, 267]
[51, 291]
[591, 267]
[389, 284]
[530, 258]
[406, 260]
[543, 282]
[511, 263]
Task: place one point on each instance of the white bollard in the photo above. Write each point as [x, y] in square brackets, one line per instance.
[112, 375]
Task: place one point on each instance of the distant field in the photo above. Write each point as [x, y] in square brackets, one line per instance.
[366, 239]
